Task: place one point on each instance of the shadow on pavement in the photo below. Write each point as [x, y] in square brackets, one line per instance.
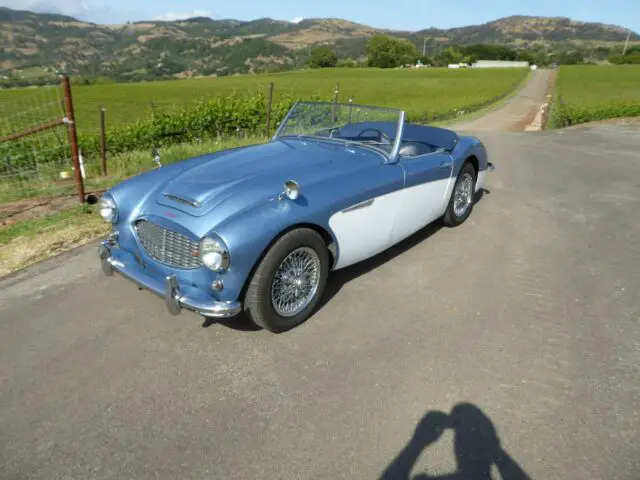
[340, 277]
[476, 445]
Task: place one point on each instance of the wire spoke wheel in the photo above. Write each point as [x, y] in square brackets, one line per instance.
[463, 195]
[295, 282]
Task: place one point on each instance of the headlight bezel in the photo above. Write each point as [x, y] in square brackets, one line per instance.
[108, 204]
[216, 251]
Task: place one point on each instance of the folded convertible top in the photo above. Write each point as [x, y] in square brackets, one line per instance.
[435, 136]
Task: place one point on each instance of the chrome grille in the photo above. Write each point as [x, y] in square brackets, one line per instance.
[167, 246]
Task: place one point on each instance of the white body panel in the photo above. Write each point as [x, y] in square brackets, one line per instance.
[482, 177]
[366, 231]
[417, 207]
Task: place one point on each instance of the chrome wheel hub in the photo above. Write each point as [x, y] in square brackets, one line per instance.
[295, 282]
[463, 195]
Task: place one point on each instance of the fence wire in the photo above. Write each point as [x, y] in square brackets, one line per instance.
[35, 154]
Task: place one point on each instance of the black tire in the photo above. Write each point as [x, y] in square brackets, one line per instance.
[258, 304]
[450, 218]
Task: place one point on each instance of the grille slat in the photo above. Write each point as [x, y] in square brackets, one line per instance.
[168, 246]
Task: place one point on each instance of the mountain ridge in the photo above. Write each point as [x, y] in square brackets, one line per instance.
[205, 46]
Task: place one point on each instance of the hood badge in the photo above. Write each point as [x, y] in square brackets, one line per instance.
[192, 203]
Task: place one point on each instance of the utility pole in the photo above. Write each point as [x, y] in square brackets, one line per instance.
[424, 47]
[626, 43]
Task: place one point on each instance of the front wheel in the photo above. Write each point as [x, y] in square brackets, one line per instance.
[289, 281]
[461, 201]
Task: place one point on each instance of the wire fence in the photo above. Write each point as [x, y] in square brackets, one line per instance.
[37, 143]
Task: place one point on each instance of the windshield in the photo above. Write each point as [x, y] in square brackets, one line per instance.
[370, 126]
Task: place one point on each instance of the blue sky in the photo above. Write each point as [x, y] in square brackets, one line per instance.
[403, 14]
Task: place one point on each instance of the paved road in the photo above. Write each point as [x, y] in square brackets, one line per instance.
[511, 341]
[519, 110]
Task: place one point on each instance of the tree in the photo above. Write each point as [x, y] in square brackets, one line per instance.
[388, 52]
[322, 57]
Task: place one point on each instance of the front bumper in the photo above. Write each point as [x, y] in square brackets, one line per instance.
[167, 288]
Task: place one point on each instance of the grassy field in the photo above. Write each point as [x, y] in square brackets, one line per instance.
[593, 92]
[438, 91]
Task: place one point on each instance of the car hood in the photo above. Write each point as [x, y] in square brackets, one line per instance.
[239, 179]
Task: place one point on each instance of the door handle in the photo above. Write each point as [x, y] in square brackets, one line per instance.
[446, 164]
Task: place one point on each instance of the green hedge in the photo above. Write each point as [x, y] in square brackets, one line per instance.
[220, 117]
[594, 92]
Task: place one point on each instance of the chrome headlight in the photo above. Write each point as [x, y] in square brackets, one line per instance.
[214, 254]
[108, 208]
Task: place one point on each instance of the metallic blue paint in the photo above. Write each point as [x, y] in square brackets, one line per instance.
[236, 193]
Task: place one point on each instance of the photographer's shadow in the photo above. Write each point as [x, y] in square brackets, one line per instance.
[476, 444]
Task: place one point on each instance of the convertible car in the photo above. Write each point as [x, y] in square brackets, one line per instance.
[258, 228]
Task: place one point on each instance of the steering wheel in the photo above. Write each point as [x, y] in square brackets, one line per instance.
[381, 134]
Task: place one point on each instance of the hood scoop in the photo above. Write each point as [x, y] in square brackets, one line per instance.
[185, 200]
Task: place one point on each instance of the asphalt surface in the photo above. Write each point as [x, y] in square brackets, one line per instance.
[510, 343]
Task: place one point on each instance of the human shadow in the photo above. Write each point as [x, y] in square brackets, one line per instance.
[476, 445]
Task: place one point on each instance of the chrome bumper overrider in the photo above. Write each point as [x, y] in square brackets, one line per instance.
[167, 288]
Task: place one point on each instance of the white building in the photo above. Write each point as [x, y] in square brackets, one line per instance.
[500, 64]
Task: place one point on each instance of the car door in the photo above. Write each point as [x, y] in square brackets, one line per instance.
[424, 196]
[367, 214]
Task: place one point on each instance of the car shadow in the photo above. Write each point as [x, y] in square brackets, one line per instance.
[477, 447]
[340, 277]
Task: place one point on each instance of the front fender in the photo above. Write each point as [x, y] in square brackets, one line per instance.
[249, 235]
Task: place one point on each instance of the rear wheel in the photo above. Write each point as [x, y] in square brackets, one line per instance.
[461, 201]
[289, 281]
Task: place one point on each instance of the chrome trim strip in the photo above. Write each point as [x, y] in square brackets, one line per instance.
[357, 206]
[284, 120]
[393, 156]
[166, 288]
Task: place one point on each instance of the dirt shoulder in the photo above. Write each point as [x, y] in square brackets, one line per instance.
[519, 111]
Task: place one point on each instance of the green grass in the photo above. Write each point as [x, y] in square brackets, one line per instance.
[32, 228]
[594, 92]
[435, 90]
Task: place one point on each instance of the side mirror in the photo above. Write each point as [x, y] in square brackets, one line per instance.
[291, 190]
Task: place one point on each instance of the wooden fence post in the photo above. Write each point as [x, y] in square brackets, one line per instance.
[73, 136]
[103, 143]
[269, 105]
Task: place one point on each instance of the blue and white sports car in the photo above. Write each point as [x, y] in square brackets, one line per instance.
[258, 228]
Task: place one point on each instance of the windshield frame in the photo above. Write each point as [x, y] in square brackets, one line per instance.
[390, 157]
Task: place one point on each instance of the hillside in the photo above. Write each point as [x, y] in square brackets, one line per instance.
[40, 43]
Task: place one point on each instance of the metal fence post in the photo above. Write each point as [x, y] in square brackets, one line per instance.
[269, 104]
[103, 143]
[73, 136]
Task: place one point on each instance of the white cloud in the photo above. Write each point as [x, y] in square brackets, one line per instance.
[296, 19]
[172, 16]
[66, 7]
